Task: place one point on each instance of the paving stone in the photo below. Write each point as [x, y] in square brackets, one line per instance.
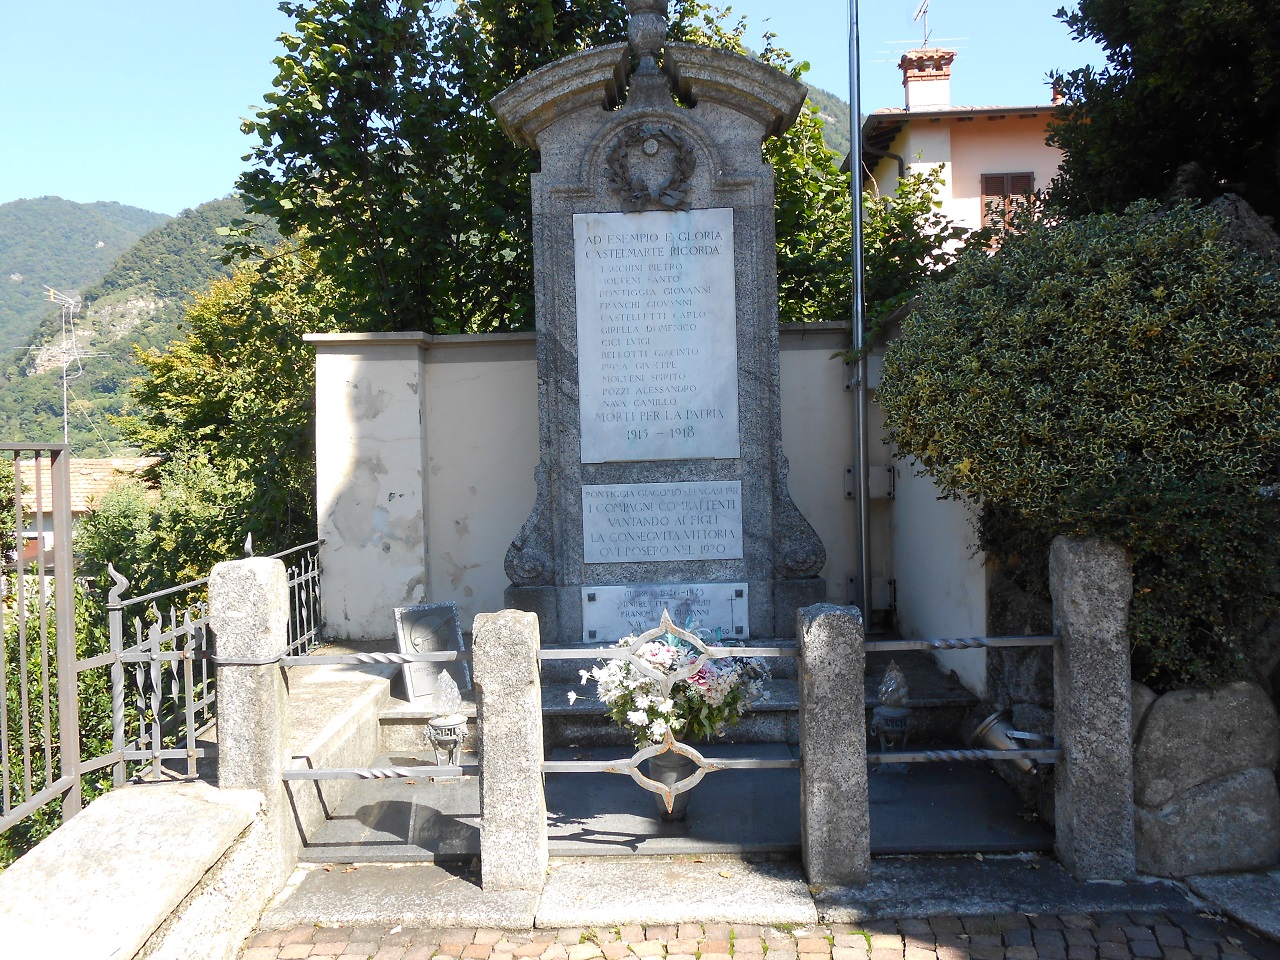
[681, 956]
[476, 951]
[1202, 948]
[1177, 953]
[980, 926]
[1111, 950]
[952, 950]
[689, 931]
[985, 940]
[293, 951]
[1012, 921]
[1080, 936]
[885, 953]
[1017, 938]
[332, 934]
[1045, 922]
[1145, 919]
[850, 952]
[986, 953]
[782, 954]
[680, 945]
[569, 935]
[299, 935]
[947, 926]
[649, 948]
[1076, 920]
[488, 936]
[529, 950]
[748, 947]
[1110, 934]
[880, 926]
[423, 951]
[631, 932]
[268, 952]
[390, 952]
[330, 948]
[1169, 936]
[614, 950]
[714, 946]
[714, 956]
[1145, 948]
[1135, 932]
[1020, 953]
[362, 945]
[1082, 952]
[813, 945]
[555, 951]
[587, 951]
[267, 938]
[919, 952]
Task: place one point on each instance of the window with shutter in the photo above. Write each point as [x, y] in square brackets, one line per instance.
[1002, 193]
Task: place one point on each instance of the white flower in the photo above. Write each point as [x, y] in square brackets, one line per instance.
[585, 675]
[573, 697]
[637, 717]
[657, 730]
[666, 706]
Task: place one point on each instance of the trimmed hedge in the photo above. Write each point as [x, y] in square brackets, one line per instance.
[1112, 376]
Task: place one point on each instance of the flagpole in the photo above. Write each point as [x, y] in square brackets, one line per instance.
[861, 588]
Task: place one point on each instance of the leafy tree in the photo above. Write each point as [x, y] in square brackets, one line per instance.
[379, 147]
[1112, 376]
[1185, 81]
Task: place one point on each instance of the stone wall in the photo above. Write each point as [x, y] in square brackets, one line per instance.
[1204, 765]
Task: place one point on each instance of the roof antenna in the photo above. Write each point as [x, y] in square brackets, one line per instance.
[922, 13]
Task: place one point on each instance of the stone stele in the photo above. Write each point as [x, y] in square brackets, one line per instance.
[657, 314]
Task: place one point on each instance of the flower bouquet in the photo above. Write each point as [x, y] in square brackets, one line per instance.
[697, 707]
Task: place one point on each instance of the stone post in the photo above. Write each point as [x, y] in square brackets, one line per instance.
[249, 615]
[1092, 584]
[513, 807]
[835, 820]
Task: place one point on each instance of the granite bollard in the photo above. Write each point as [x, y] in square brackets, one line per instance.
[835, 821]
[249, 615]
[1092, 584]
[513, 808]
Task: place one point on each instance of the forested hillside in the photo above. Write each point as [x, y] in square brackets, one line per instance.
[139, 302]
[61, 244]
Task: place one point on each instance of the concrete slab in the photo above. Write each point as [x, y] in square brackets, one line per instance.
[943, 886]
[601, 892]
[412, 894]
[1252, 899]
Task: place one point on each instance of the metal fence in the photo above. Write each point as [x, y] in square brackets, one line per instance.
[39, 721]
[157, 669]
[163, 684]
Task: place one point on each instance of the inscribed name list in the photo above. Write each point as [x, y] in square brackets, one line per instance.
[657, 335]
[643, 522]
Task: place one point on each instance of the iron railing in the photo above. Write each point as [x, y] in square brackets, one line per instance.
[163, 691]
[39, 719]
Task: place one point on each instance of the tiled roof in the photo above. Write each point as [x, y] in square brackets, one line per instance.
[90, 479]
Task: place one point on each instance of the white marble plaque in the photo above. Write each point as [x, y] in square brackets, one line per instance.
[657, 335]
[642, 522]
[611, 613]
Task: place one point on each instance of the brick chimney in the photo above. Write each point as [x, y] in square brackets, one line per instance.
[926, 77]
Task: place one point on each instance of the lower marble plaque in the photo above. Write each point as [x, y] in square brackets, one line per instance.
[611, 613]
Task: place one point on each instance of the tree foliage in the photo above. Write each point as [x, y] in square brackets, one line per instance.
[1185, 81]
[378, 147]
[1112, 376]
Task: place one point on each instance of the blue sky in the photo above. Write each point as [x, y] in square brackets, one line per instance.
[140, 101]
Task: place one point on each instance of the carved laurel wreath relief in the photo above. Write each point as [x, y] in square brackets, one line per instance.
[651, 167]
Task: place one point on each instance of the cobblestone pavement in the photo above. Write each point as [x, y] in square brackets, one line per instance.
[1099, 936]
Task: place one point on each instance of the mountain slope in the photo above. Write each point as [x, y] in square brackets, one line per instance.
[835, 120]
[140, 302]
[61, 244]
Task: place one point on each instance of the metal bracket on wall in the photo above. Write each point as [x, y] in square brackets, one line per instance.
[880, 483]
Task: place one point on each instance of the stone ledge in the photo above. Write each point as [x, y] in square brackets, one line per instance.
[100, 885]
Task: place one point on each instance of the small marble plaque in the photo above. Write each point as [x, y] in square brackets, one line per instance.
[611, 613]
[657, 335]
[642, 522]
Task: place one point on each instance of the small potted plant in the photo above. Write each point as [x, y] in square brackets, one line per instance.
[669, 691]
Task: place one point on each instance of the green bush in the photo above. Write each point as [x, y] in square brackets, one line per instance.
[1114, 376]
